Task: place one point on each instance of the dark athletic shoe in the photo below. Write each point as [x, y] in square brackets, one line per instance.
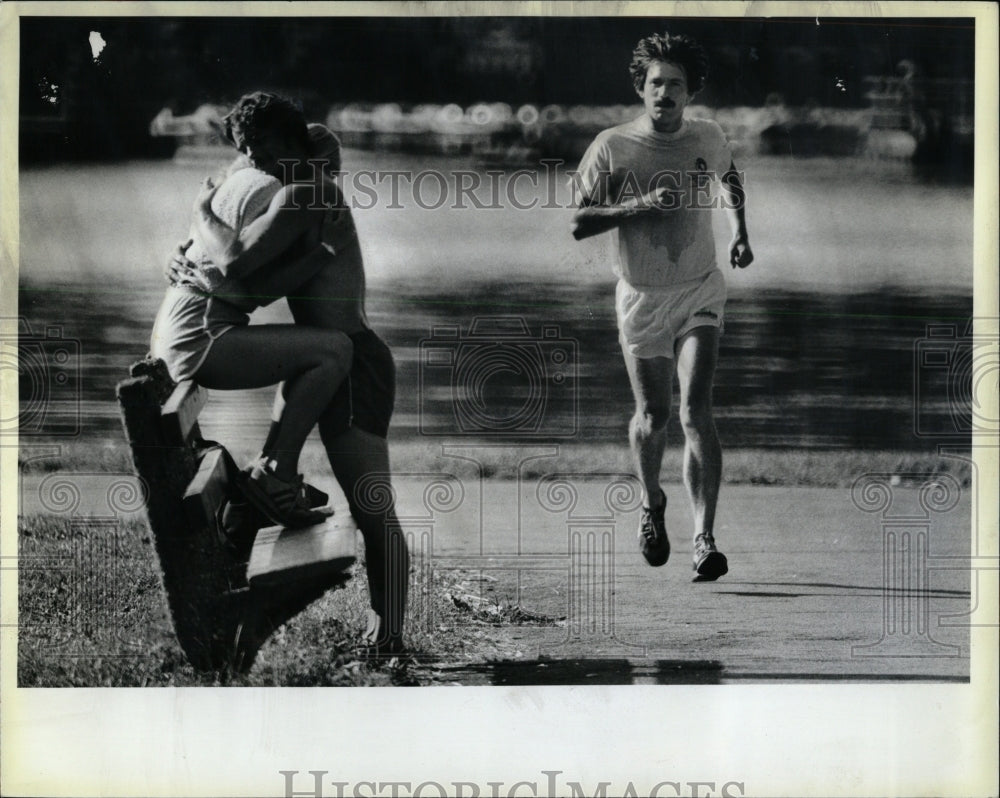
[709, 563]
[313, 497]
[282, 502]
[653, 542]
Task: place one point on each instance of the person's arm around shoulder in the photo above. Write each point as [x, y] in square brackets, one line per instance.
[740, 254]
[292, 212]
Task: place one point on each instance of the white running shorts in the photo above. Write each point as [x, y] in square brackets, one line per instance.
[650, 321]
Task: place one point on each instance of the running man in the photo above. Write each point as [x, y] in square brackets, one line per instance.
[649, 181]
[331, 296]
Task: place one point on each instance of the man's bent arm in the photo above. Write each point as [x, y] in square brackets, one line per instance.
[593, 219]
[289, 216]
[264, 286]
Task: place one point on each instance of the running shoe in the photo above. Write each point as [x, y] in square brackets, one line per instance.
[709, 562]
[313, 496]
[653, 540]
[284, 503]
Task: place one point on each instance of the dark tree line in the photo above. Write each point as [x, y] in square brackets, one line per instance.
[74, 105]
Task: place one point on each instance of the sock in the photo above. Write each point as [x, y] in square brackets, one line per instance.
[272, 434]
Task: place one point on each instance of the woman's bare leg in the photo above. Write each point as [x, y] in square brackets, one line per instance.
[320, 301]
[312, 362]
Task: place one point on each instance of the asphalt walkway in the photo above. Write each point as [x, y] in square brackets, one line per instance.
[824, 584]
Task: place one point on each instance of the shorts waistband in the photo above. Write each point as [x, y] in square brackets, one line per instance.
[184, 288]
[194, 291]
[672, 286]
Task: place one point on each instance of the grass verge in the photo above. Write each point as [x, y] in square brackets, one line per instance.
[92, 614]
[794, 467]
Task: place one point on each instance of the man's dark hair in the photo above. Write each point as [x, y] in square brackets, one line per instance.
[263, 110]
[680, 50]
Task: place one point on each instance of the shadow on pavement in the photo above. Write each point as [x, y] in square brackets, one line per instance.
[876, 589]
[546, 672]
[590, 672]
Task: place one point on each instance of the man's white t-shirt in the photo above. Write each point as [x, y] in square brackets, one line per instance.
[660, 249]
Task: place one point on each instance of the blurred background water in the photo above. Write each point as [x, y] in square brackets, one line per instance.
[820, 345]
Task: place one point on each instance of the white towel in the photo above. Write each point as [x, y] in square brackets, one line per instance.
[244, 195]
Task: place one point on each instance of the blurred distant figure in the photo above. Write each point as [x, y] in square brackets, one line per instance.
[648, 180]
[923, 125]
[205, 123]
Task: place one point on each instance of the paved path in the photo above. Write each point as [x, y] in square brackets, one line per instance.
[818, 588]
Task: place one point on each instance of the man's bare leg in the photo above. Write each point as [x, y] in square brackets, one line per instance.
[651, 380]
[360, 462]
[697, 355]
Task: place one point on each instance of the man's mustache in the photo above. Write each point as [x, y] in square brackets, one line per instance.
[666, 104]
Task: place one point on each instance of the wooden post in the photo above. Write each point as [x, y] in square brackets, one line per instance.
[194, 568]
[282, 555]
[220, 620]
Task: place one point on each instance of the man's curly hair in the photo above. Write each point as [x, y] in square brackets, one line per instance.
[263, 110]
[680, 50]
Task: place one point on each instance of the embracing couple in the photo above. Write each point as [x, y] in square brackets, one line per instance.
[278, 226]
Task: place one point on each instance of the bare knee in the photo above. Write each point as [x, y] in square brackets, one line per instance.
[696, 418]
[336, 350]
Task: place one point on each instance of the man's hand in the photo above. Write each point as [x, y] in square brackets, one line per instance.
[592, 218]
[740, 253]
[181, 271]
[661, 198]
[203, 202]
